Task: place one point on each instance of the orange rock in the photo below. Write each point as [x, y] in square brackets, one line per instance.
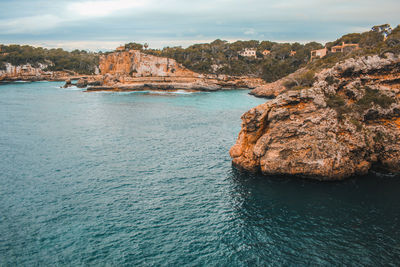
[305, 133]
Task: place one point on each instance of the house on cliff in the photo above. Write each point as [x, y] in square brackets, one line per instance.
[120, 48]
[266, 52]
[343, 48]
[319, 53]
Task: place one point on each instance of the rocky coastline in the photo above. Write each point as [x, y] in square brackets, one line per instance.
[175, 83]
[130, 71]
[30, 73]
[134, 70]
[345, 124]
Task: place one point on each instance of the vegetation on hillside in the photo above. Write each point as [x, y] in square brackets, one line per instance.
[379, 40]
[78, 61]
[222, 57]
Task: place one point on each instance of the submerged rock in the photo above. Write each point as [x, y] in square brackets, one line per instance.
[345, 124]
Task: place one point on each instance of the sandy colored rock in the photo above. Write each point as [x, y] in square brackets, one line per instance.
[134, 63]
[135, 70]
[345, 124]
[272, 90]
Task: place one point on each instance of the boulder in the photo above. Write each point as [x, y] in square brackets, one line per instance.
[82, 83]
[67, 83]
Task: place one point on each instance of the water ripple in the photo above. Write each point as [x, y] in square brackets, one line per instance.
[146, 180]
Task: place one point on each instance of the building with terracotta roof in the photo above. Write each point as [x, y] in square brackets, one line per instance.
[319, 53]
[120, 48]
[344, 48]
[266, 52]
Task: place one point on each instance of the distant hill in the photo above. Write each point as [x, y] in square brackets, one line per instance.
[271, 61]
[222, 57]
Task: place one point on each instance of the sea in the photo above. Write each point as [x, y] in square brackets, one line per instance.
[145, 179]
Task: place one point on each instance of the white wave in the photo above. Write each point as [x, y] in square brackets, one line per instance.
[178, 92]
[131, 92]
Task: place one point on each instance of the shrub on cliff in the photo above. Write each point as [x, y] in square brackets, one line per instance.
[279, 63]
[376, 97]
[379, 40]
[301, 81]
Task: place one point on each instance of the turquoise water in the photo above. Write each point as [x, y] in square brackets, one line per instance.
[145, 179]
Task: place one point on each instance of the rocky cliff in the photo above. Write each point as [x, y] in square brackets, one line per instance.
[345, 124]
[134, 63]
[28, 72]
[135, 70]
[272, 90]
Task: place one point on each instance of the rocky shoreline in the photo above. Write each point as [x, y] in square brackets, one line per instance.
[30, 73]
[345, 124]
[176, 83]
[133, 70]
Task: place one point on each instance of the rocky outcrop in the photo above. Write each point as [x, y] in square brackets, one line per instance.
[272, 90]
[28, 72]
[134, 63]
[345, 124]
[89, 81]
[135, 70]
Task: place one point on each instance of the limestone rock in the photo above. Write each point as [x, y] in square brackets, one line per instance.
[346, 124]
[272, 90]
[134, 63]
[135, 70]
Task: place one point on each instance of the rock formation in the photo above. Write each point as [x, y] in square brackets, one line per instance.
[28, 72]
[135, 70]
[345, 124]
[134, 63]
[272, 90]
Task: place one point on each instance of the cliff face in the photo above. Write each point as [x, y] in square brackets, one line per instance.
[346, 123]
[28, 72]
[134, 70]
[136, 64]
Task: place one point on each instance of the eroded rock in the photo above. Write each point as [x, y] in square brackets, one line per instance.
[344, 125]
[135, 70]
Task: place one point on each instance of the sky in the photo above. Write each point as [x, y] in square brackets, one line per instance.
[105, 24]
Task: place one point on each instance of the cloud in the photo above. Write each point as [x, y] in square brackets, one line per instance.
[32, 24]
[103, 8]
[250, 32]
[181, 22]
[69, 13]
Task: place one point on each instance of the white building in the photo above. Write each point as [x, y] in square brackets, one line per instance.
[248, 52]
